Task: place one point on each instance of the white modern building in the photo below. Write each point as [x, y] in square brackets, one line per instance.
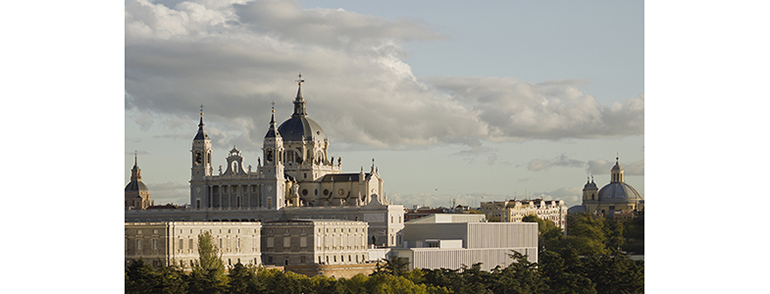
[451, 241]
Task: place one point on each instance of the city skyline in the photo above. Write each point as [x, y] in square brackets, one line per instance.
[473, 103]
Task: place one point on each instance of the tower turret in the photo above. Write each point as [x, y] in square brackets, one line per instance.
[590, 191]
[617, 172]
[274, 191]
[201, 167]
[137, 196]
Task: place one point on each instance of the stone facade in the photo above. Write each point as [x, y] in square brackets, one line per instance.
[176, 242]
[304, 242]
[385, 222]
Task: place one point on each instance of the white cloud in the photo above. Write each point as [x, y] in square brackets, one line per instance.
[560, 161]
[169, 192]
[236, 57]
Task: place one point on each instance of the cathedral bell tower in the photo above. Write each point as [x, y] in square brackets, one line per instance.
[201, 167]
[590, 191]
[274, 189]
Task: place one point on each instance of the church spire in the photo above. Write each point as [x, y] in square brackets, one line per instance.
[136, 172]
[272, 132]
[617, 172]
[299, 101]
[201, 135]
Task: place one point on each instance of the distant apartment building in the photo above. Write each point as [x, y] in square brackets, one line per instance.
[452, 240]
[514, 210]
[176, 242]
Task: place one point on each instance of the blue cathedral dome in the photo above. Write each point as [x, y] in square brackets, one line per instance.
[302, 127]
[299, 126]
[618, 191]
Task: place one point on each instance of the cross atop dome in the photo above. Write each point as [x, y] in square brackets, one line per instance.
[300, 81]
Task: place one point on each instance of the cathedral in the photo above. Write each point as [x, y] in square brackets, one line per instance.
[137, 194]
[617, 197]
[294, 179]
[296, 171]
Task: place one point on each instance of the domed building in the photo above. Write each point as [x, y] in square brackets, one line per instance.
[294, 171]
[615, 197]
[137, 194]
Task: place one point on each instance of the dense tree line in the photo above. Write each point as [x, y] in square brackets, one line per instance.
[590, 258]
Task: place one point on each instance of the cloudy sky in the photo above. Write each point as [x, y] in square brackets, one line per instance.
[476, 77]
[473, 102]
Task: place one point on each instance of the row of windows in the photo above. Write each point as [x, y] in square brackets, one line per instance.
[140, 245]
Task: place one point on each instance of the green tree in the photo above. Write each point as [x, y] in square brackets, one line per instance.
[586, 234]
[387, 284]
[564, 275]
[394, 265]
[208, 274]
[615, 273]
[521, 276]
[170, 279]
[473, 280]
[140, 277]
[548, 233]
[614, 231]
[143, 278]
[443, 277]
[635, 234]
[209, 257]
[356, 284]
[243, 279]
